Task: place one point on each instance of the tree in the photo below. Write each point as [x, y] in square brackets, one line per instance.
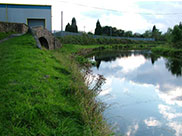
[128, 34]
[98, 29]
[154, 29]
[137, 35]
[156, 33]
[120, 32]
[68, 28]
[177, 36]
[147, 34]
[107, 30]
[175, 66]
[74, 27]
[90, 33]
[168, 35]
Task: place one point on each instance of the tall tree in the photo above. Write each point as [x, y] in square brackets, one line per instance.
[98, 29]
[74, 26]
[154, 29]
[156, 33]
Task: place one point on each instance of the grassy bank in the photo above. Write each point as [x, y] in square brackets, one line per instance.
[5, 34]
[157, 48]
[84, 50]
[43, 93]
[168, 51]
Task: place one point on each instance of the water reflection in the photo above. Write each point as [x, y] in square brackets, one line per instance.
[148, 96]
[175, 66]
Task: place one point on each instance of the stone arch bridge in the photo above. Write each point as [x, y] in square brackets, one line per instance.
[44, 38]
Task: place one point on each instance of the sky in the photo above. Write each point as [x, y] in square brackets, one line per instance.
[132, 15]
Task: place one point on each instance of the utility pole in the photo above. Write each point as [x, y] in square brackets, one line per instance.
[61, 20]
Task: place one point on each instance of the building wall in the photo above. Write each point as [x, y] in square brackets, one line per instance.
[20, 13]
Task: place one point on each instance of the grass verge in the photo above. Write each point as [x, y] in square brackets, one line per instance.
[42, 93]
[168, 51]
[5, 34]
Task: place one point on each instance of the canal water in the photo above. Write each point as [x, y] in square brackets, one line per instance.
[144, 92]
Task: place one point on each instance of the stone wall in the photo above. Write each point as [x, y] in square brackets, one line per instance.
[13, 27]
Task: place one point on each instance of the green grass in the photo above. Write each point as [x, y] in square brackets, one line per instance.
[85, 49]
[168, 51]
[4, 35]
[42, 93]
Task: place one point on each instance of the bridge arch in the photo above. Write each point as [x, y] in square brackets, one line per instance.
[44, 42]
[44, 38]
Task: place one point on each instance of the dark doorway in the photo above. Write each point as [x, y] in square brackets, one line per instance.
[44, 42]
[36, 22]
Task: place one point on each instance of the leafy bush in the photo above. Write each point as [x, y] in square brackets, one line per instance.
[177, 36]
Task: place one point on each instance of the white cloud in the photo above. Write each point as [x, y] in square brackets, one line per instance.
[168, 112]
[129, 64]
[132, 130]
[105, 91]
[107, 87]
[152, 122]
[125, 15]
[177, 127]
[141, 84]
[172, 96]
[126, 91]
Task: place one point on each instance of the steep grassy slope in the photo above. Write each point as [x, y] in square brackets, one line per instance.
[43, 94]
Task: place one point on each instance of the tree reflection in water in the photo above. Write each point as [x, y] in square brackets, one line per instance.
[173, 65]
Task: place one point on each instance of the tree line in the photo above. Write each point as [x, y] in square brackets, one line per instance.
[113, 31]
[173, 35]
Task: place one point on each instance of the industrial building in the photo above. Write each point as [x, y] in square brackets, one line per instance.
[32, 15]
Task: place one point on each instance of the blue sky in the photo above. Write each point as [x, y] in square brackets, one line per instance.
[126, 15]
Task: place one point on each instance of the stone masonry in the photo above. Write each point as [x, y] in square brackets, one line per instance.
[19, 28]
[41, 32]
